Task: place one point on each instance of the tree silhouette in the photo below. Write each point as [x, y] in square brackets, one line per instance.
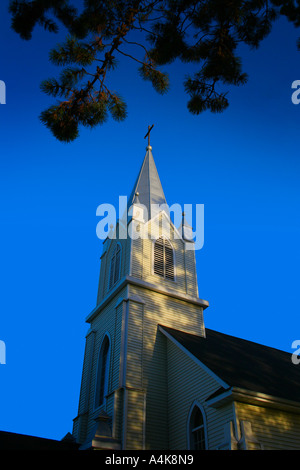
[203, 32]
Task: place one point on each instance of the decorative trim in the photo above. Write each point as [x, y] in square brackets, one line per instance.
[147, 285]
[119, 301]
[253, 398]
[221, 399]
[163, 213]
[123, 349]
[88, 356]
[167, 291]
[144, 421]
[135, 298]
[263, 399]
[125, 408]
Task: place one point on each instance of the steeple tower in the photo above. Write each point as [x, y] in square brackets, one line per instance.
[144, 281]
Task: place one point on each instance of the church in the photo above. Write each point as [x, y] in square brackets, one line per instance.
[154, 378]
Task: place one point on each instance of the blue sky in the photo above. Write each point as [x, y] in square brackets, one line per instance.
[243, 165]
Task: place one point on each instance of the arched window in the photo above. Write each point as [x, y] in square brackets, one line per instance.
[197, 439]
[164, 258]
[115, 265]
[102, 372]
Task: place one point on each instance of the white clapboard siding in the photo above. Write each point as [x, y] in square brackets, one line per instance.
[187, 383]
[273, 429]
[108, 321]
[147, 357]
[132, 326]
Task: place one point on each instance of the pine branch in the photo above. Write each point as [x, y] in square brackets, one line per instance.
[204, 32]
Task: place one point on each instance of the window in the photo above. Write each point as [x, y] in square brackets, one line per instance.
[115, 265]
[197, 430]
[102, 372]
[164, 258]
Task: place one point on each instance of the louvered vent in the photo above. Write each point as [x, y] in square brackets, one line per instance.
[164, 258]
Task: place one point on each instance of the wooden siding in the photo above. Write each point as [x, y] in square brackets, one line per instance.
[134, 437]
[108, 250]
[163, 309]
[184, 260]
[134, 368]
[153, 383]
[138, 358]
[273, 428]
[147, 355]
[117, 414]
[187, 383]
[109, 320]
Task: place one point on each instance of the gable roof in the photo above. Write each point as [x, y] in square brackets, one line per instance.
[148, 185]
[242, 363]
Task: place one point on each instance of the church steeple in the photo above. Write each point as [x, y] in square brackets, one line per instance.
[146, 280]
[147, 189]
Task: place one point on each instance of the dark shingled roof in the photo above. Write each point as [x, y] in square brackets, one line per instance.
[244, 364]
[15, 441]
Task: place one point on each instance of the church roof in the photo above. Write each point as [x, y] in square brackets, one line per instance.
[15, 441]
[244, 364]
[148, 189]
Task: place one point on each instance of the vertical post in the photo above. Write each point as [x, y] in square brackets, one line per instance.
[148, 134]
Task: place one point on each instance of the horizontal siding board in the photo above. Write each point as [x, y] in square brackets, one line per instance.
[134, 371]
[135, 420]
[273, 428]
[108, 320]
[103, 287]
[187, 382]
[143, 332]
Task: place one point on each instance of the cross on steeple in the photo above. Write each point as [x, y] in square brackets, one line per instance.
[148, 134]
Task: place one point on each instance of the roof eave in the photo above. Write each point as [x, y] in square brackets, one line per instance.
[253, 398]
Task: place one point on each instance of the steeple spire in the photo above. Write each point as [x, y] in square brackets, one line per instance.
[148, 189]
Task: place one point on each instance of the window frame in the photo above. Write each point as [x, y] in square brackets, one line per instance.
[97, 403]
[191, 429]
[116, 278]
